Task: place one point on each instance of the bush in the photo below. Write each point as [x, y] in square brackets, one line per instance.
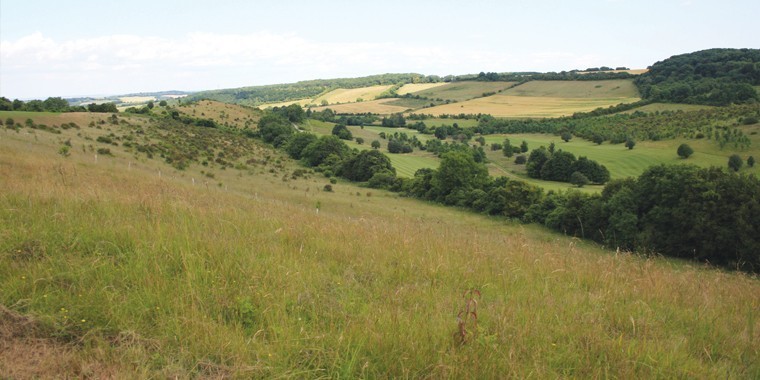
[684, 151]
[521, 159]
[735, 162]
[578, 179]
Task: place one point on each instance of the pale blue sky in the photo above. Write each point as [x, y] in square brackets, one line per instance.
[73, 48]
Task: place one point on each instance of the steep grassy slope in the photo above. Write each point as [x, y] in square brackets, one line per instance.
[109, 270]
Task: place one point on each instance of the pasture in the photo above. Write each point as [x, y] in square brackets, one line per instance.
[109, 269]
[670, 107]
[621, 88]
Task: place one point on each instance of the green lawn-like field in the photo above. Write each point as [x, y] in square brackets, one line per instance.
[622, 162]
[660, 107]
[619, 88]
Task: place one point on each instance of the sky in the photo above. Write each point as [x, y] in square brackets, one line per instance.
[91, 48]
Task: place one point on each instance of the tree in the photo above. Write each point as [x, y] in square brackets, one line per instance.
[297, 143]
[375, 144]
[558, 167]
[735, 162]
[365, 165]
[597, 139]
[751, 161]
[359, 140]
[162, 103]
[457, 173]
[520, 159]
[342, 132]
[320, 150]
[630, 143]
[578, 179]
[524, 147]
[566, 136]
[684, 151]
[507, 148]
[536, 161]
[274, 129]
[151, 105]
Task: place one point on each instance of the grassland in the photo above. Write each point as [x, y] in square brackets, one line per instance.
[225, 114]
[620, 161]
[406, 164]
[110, 270]
[622, 88]
[460, 91]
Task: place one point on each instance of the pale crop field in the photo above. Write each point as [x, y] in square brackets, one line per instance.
[301, 102]
[351, 95]
[137, 99]
[417, 87]
[379, 106]
[460, 91]
[524, 106]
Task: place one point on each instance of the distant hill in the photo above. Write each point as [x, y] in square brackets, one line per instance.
[258, 95]
[711, 77]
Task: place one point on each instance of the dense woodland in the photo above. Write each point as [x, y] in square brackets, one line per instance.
[714, 77]
[53, 104]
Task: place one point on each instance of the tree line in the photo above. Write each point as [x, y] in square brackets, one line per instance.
[53, 104]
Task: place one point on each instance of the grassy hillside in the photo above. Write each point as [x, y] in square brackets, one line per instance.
[524, 106]
[222, 113]
[381, 106]
[345, 95]
[621, 88]
[109, 270]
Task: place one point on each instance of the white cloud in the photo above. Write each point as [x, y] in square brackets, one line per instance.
[208, 60]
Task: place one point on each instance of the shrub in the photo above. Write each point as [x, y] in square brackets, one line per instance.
[684, 151]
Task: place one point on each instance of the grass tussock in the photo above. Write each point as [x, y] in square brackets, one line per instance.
[128, 274]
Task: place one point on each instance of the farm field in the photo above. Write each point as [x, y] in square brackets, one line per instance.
[302, 103]
[379, 106]
[622, 88]
[344, 95]
[109, 269]
[417, 87]
[524, 106]
[460, 91]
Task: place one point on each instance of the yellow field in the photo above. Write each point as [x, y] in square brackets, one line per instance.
[302, 102]
[375, 106]
[525, 106]
[414, 87]
[621, 88]
[459, 91]
[350, 95]
[137, 99]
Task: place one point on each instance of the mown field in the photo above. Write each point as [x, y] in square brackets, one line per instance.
[417, 87]
[380, 106]
[108, 269]
[524, 106]
[343, 95]
[621, 88]
[672, 107]
[460, 91]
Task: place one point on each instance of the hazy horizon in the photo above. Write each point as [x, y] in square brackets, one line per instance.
[81, 48]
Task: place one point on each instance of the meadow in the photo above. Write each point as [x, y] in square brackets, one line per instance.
[380, 106]
[110, 269]
[417, 87]
[345, 95]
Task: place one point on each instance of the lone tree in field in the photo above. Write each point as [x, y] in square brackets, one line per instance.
[524, 146]
[579, 179]
[735, 162]
[630, 143]
[684, 151]
[751, 161]
[375, 144]
[566, 136]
